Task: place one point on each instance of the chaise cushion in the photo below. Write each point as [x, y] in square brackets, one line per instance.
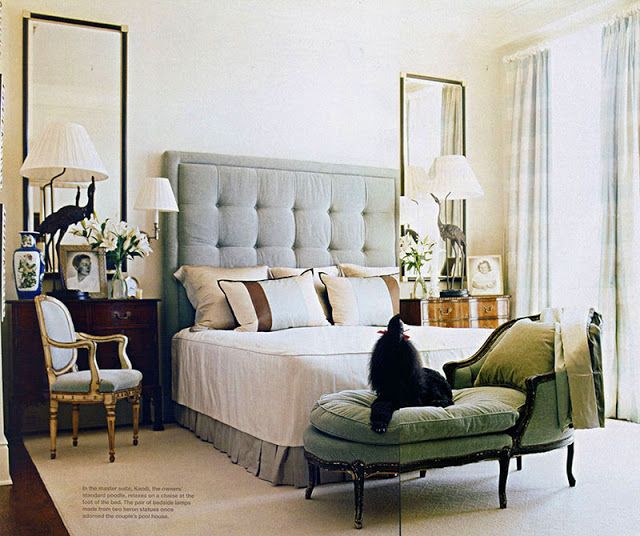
[526, 349]
[476, 411]
[110, 380]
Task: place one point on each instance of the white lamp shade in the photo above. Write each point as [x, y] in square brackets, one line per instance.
[156, 194]
[451, 175]
[60, 146]
[408, 210]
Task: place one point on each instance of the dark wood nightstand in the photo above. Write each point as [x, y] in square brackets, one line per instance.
[469, 312]
[25, 380]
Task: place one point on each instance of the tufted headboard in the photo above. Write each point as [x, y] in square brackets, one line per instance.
[243, 211]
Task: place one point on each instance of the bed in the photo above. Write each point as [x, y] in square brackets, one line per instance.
[250, 394]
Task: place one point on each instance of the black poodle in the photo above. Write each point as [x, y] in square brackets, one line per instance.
[399, 380]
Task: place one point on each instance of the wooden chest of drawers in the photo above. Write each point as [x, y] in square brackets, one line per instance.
[469, 312]
[25, 380]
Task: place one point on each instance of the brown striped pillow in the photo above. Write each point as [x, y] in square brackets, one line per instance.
[362, 301]
[274, 304]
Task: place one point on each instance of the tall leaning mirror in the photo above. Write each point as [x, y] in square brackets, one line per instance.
[432, 124]
[75, 72]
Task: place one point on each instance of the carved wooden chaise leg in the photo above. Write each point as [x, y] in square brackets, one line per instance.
[570, 477]
[358, 487]
[53, 426]
[518, 463]
[312, 479]
[75, 417]
[423, 473]
[110, 407]
[502, 481]
[135, 406]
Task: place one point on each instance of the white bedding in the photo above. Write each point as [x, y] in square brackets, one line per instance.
[265, 384]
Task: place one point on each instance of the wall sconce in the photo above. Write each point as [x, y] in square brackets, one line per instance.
[156, 194]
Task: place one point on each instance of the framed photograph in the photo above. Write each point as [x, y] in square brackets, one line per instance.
[84, 269]
[132, 286]
[484, 275]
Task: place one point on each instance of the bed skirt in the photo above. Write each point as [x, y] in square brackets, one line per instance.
[274, 463]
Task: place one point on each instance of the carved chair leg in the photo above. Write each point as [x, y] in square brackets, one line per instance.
[53, 426]
[311, 483]
[358, 488]
[570, 477]
[502, 481]
[75, 417]
[110, 407]
[518, 463]
[135, 406]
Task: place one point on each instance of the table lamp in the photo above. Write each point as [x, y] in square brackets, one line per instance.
[450, 177]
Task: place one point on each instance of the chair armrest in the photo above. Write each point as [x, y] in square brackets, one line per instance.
[90, 346]
[461, 374]
[540, 422]
[121, 339]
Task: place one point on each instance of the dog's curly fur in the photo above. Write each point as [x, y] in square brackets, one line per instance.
[399, 380]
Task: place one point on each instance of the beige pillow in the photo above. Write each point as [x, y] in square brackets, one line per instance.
[362, 301]
[277, 272]
[526, 349]
[356, 270]
[210, 303]
[274, 304]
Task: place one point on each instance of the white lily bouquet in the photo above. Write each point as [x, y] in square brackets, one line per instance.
[415, 254]
[121, 241]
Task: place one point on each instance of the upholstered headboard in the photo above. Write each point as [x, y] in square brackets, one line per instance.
[243, 211]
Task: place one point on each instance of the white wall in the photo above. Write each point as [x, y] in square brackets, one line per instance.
[290, 79]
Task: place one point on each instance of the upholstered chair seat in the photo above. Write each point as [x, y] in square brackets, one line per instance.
[60, 343]
[110, 380]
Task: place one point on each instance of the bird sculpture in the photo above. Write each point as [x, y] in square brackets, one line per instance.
[457, 239]
[60, 220]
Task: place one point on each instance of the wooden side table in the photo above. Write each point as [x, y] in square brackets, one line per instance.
[25, 381]
[468, 312]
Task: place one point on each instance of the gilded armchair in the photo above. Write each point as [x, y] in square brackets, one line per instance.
[67, 384]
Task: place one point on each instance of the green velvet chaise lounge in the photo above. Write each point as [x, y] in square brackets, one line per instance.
[486, 421]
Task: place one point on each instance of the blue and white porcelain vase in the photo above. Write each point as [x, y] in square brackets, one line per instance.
[28, 266]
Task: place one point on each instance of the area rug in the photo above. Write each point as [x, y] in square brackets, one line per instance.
[173, 483]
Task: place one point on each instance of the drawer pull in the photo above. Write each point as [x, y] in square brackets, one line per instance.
[446, 311]
[122, 316]
[488, 308]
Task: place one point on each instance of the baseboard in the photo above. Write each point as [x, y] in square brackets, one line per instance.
[5, 477]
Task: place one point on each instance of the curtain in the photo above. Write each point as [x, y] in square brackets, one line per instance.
[620, 262]
[451, 143]
[528, 216]
[451, 120]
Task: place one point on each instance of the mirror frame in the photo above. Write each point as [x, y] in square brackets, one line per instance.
[123, 30]
[404, 76]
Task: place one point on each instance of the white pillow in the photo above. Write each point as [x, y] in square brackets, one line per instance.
[274, 304]
[210, 303]
[283, 271]
[356, 270]
[362, 301]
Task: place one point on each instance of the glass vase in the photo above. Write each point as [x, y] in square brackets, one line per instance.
[419, 287]
[118, 284]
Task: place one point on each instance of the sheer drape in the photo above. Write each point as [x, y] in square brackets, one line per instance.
[528, 221]
[451, 140]
[620, 265]
[451, 120]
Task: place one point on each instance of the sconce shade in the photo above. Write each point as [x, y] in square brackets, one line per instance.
[451, 175]
[63, 146]
[156, 194]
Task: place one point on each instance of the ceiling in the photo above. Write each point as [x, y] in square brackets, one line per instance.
[502, 23]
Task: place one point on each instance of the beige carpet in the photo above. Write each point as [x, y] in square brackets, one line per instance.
[212, 496]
